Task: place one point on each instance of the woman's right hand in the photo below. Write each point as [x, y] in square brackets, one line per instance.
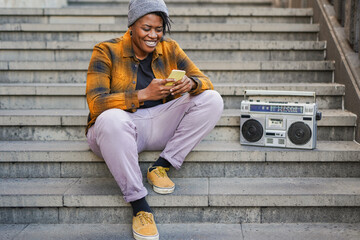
[155, 91]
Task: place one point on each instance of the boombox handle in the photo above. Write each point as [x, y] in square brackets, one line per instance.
[278, 93]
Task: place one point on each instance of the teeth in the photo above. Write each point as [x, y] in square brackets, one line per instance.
[150, 43]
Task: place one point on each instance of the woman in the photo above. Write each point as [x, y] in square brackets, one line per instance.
[131, 109]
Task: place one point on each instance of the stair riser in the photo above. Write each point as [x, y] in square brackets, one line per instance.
[79, 102]
[188, 170]
[171, 5]
[122, 20]
[215, 55]
[236, 215]
[227, 76]
[42, 133]
[184, 36]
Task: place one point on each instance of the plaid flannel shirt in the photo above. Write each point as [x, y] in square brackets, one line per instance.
[112, 74]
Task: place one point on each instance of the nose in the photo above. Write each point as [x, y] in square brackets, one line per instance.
[153, 33]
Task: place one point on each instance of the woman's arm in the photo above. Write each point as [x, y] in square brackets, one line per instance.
[98, 85]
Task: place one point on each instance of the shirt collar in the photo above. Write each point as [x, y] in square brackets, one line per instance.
[129, 51]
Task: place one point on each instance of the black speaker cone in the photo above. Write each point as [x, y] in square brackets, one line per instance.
[299, 133]
[252, 130]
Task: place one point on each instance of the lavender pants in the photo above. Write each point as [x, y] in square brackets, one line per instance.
[174, 127]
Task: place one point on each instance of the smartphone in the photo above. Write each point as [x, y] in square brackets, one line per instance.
[177, 75]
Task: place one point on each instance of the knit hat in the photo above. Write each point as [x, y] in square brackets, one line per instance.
[139, 8]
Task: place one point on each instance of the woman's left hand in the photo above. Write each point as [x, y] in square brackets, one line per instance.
[184, 85]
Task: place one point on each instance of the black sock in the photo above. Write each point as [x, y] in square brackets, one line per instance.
[140, 205]
[161, 162]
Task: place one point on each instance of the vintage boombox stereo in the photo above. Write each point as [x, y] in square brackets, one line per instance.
[287, 124]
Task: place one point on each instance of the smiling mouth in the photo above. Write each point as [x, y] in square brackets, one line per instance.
[151, 43]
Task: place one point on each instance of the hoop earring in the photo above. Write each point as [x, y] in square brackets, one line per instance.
[130, 33]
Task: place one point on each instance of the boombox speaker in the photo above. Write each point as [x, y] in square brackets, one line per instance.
[279, 123]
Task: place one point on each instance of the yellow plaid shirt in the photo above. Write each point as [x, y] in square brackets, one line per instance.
[112, 74]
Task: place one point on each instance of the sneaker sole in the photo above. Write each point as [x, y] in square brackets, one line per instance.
[142, 237]
[161, 190]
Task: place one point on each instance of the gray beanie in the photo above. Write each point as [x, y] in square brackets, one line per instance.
[139, 8]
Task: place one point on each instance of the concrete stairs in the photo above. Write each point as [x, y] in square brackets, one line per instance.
[49, 176]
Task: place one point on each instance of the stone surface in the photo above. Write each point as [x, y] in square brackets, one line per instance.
[202, 231]
[284, 192]
[301, 231]
[66, 117]
[33, 192]
[9, 232]
[95, 192]
[206, 151]
[33, 3]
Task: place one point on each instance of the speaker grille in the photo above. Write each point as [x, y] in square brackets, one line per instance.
[299, 133]
[252, 130]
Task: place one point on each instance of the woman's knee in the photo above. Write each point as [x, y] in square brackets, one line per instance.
[113, 120]
[214, 101]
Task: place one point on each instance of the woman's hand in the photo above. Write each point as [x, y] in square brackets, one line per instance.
[184, 85]
[155, 91]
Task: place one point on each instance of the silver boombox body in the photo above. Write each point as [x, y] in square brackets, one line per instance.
[279, 124]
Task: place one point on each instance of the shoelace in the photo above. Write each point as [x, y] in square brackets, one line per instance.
[145, 218]
[162, 171]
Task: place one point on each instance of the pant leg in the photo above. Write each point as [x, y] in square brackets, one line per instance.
[178, 126]
[114, 138]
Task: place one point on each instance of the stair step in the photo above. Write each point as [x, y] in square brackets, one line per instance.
[55, 125]
[200, 231]
[122, 3]
[210, 36]
[238, 45]
[72, 96]
[67, 117]
[206, 151]
[245, 72]
[199, 27]
[204, 65]
[231, 51]
[73, 159]
[190, 192]
[182, 32]
[179, 11]
[179, 15]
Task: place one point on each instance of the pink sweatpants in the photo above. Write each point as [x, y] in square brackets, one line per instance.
[174, 127]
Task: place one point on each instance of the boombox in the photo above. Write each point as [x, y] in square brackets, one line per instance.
[279, 124]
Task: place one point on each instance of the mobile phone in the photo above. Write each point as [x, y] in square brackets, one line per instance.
[177, 75]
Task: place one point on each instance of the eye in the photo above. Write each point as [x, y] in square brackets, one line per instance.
[146, 29]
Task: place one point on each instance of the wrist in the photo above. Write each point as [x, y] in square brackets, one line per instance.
[142, 95]
[194, 85]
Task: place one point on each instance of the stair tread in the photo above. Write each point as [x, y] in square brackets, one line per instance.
[203, 65]
[237, 89]
[190, 192]
[179, 11]
[78, 117]
[205, 151]
[196, 27]
[199, 231]
[186, 45]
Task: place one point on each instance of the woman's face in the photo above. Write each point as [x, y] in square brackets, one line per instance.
[147, 32]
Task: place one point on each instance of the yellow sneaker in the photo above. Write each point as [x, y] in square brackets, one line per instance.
[160, 181]
[144, 227]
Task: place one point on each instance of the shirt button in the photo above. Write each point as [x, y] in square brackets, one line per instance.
[133, 105]
[133, 82]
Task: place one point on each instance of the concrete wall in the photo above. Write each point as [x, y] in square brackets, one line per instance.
[351, 24]
[347, 63]
[33, 3]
